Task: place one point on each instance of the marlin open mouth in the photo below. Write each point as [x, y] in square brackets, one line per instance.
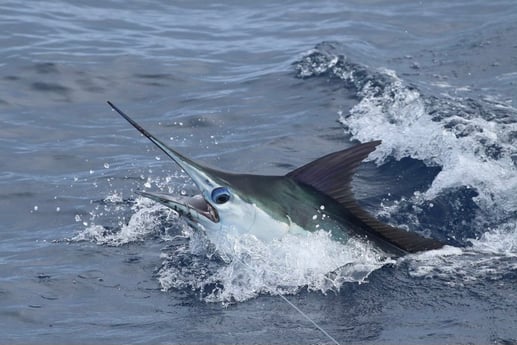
[192, 207]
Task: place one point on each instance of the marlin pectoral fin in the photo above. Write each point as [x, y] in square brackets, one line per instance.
[332, 175]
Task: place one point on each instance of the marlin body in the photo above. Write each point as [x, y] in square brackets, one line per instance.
[315, 196]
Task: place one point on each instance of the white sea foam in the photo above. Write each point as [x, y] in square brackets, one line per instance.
[399, 118]
[490, 257]
[499, 241]
[253, 267]
[460, 145]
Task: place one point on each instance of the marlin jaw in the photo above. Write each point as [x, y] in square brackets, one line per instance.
[192, 207]
[268, 207]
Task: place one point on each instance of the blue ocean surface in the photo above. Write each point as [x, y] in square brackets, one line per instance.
[262, 88]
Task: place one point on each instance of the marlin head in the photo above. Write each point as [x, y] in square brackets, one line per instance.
[203, 209]
[221, 205]
[315, 196]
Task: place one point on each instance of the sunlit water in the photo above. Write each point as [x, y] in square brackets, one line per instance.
[260, 88]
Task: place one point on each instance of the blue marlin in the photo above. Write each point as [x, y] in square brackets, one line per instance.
[316, 196]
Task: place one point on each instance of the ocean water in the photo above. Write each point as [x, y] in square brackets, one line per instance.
[259, 88]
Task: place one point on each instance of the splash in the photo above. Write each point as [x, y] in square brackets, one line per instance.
[109, 223]
[315, 262]
[245, 269]
[144, 221]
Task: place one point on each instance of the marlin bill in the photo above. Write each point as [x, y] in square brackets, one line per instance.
[269, 207]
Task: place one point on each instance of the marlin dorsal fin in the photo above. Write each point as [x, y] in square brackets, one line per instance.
[332, 175]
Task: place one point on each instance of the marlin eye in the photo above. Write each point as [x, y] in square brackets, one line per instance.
[220, 195]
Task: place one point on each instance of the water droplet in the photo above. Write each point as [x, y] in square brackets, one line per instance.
[322, 207]
[35, 207]
[91, 172]
[58, 209]
[106, 165]
[314, 217]
[77, 218]
[157, 158]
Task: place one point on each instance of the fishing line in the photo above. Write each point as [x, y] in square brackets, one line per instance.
[297, 309]
[310, 320]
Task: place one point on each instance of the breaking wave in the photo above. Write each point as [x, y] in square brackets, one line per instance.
[473, 142]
